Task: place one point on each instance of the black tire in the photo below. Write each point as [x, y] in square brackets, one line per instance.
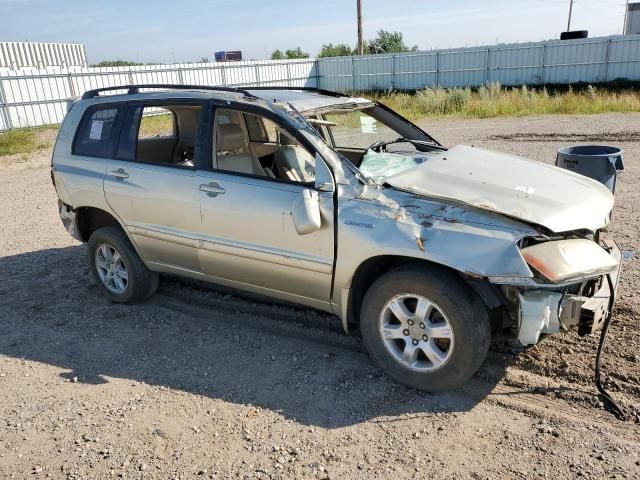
[141, 283]
[465, 312]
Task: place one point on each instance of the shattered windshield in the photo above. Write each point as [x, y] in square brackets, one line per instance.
[380, 165]
[376, 149]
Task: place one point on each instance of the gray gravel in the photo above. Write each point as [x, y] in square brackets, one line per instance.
[204, 383]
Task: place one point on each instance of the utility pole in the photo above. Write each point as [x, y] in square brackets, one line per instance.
[624, 22]
[569, 21]
[360, 38]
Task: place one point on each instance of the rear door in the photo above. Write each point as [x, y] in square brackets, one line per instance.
[153, 190]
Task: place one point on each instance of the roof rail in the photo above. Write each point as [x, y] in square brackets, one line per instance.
[132, 89]
[304, 89]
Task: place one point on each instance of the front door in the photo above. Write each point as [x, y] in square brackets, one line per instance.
[248, 237]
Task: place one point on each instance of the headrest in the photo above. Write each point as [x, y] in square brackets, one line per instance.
[229, 137]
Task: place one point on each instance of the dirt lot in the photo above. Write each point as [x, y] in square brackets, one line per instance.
[201, 383]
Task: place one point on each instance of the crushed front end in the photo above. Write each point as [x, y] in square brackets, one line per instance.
[573, 286]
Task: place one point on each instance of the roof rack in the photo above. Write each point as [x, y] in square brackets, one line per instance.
[132, 89]
[304, 89]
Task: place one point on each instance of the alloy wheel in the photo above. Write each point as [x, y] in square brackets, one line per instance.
[416, 332]
[111, 269]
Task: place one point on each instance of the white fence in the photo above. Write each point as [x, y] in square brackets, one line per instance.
[31, 97]
[592, 60]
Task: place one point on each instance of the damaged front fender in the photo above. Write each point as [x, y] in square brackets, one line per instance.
[377, 221]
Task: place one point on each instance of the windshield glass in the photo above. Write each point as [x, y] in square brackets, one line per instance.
[378, 166]
[375, 148]
[357, 129]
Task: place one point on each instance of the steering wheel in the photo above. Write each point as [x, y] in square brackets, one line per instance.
[376, 146]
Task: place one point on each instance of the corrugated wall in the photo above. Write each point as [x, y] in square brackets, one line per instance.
[16, 55]
[30, 96]
[554, 61]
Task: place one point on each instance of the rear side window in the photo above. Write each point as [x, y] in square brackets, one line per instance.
[98, 132]
[162, 135]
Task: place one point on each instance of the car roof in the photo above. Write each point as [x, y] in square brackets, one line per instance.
[301, 99]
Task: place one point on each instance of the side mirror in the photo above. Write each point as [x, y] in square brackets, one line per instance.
[306, 212]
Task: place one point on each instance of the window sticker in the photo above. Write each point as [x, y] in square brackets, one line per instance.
[368, 125]
[96, 130]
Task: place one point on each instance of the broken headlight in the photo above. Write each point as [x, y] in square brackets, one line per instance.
[572, 259]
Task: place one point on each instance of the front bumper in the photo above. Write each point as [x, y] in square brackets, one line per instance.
[543, 311]
[594, 311]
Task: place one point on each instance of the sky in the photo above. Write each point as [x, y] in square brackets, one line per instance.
[185, 31]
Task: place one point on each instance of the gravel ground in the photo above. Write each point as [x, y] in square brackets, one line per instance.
[204, 383]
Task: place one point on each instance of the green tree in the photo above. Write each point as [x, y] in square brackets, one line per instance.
[296, 53]
[277, 55]
[290, 53]
[116, 63]
[337, 50]
[388, 42]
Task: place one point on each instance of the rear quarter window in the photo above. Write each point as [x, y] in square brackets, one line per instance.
[98, 132]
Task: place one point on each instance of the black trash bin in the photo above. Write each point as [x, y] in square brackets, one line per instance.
[600, 162]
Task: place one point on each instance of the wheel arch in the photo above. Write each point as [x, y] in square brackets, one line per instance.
[89, 219]
[374, 267]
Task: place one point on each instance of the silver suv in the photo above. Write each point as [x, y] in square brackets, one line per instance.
[340, 204]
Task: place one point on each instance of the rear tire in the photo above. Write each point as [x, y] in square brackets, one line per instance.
[117, 269]
[425, 327]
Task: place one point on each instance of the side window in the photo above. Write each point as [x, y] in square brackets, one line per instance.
[98, 132]
[282, 157]
[157, 122]
[162, 135]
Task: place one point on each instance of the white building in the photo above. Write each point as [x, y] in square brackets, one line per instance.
[632, 24]
[17, 55]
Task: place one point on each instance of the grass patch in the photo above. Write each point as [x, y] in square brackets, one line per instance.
[24, 140]
[156, 125]
[495, 101]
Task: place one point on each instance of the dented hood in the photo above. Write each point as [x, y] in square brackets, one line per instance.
[518, 187]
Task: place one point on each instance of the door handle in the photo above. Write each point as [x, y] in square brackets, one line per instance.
[212, 189]
[119, 173]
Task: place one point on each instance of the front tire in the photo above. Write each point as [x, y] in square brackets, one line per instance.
[425, 327]
[117, 269]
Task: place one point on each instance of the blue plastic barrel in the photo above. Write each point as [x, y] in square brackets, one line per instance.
[600, 162]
